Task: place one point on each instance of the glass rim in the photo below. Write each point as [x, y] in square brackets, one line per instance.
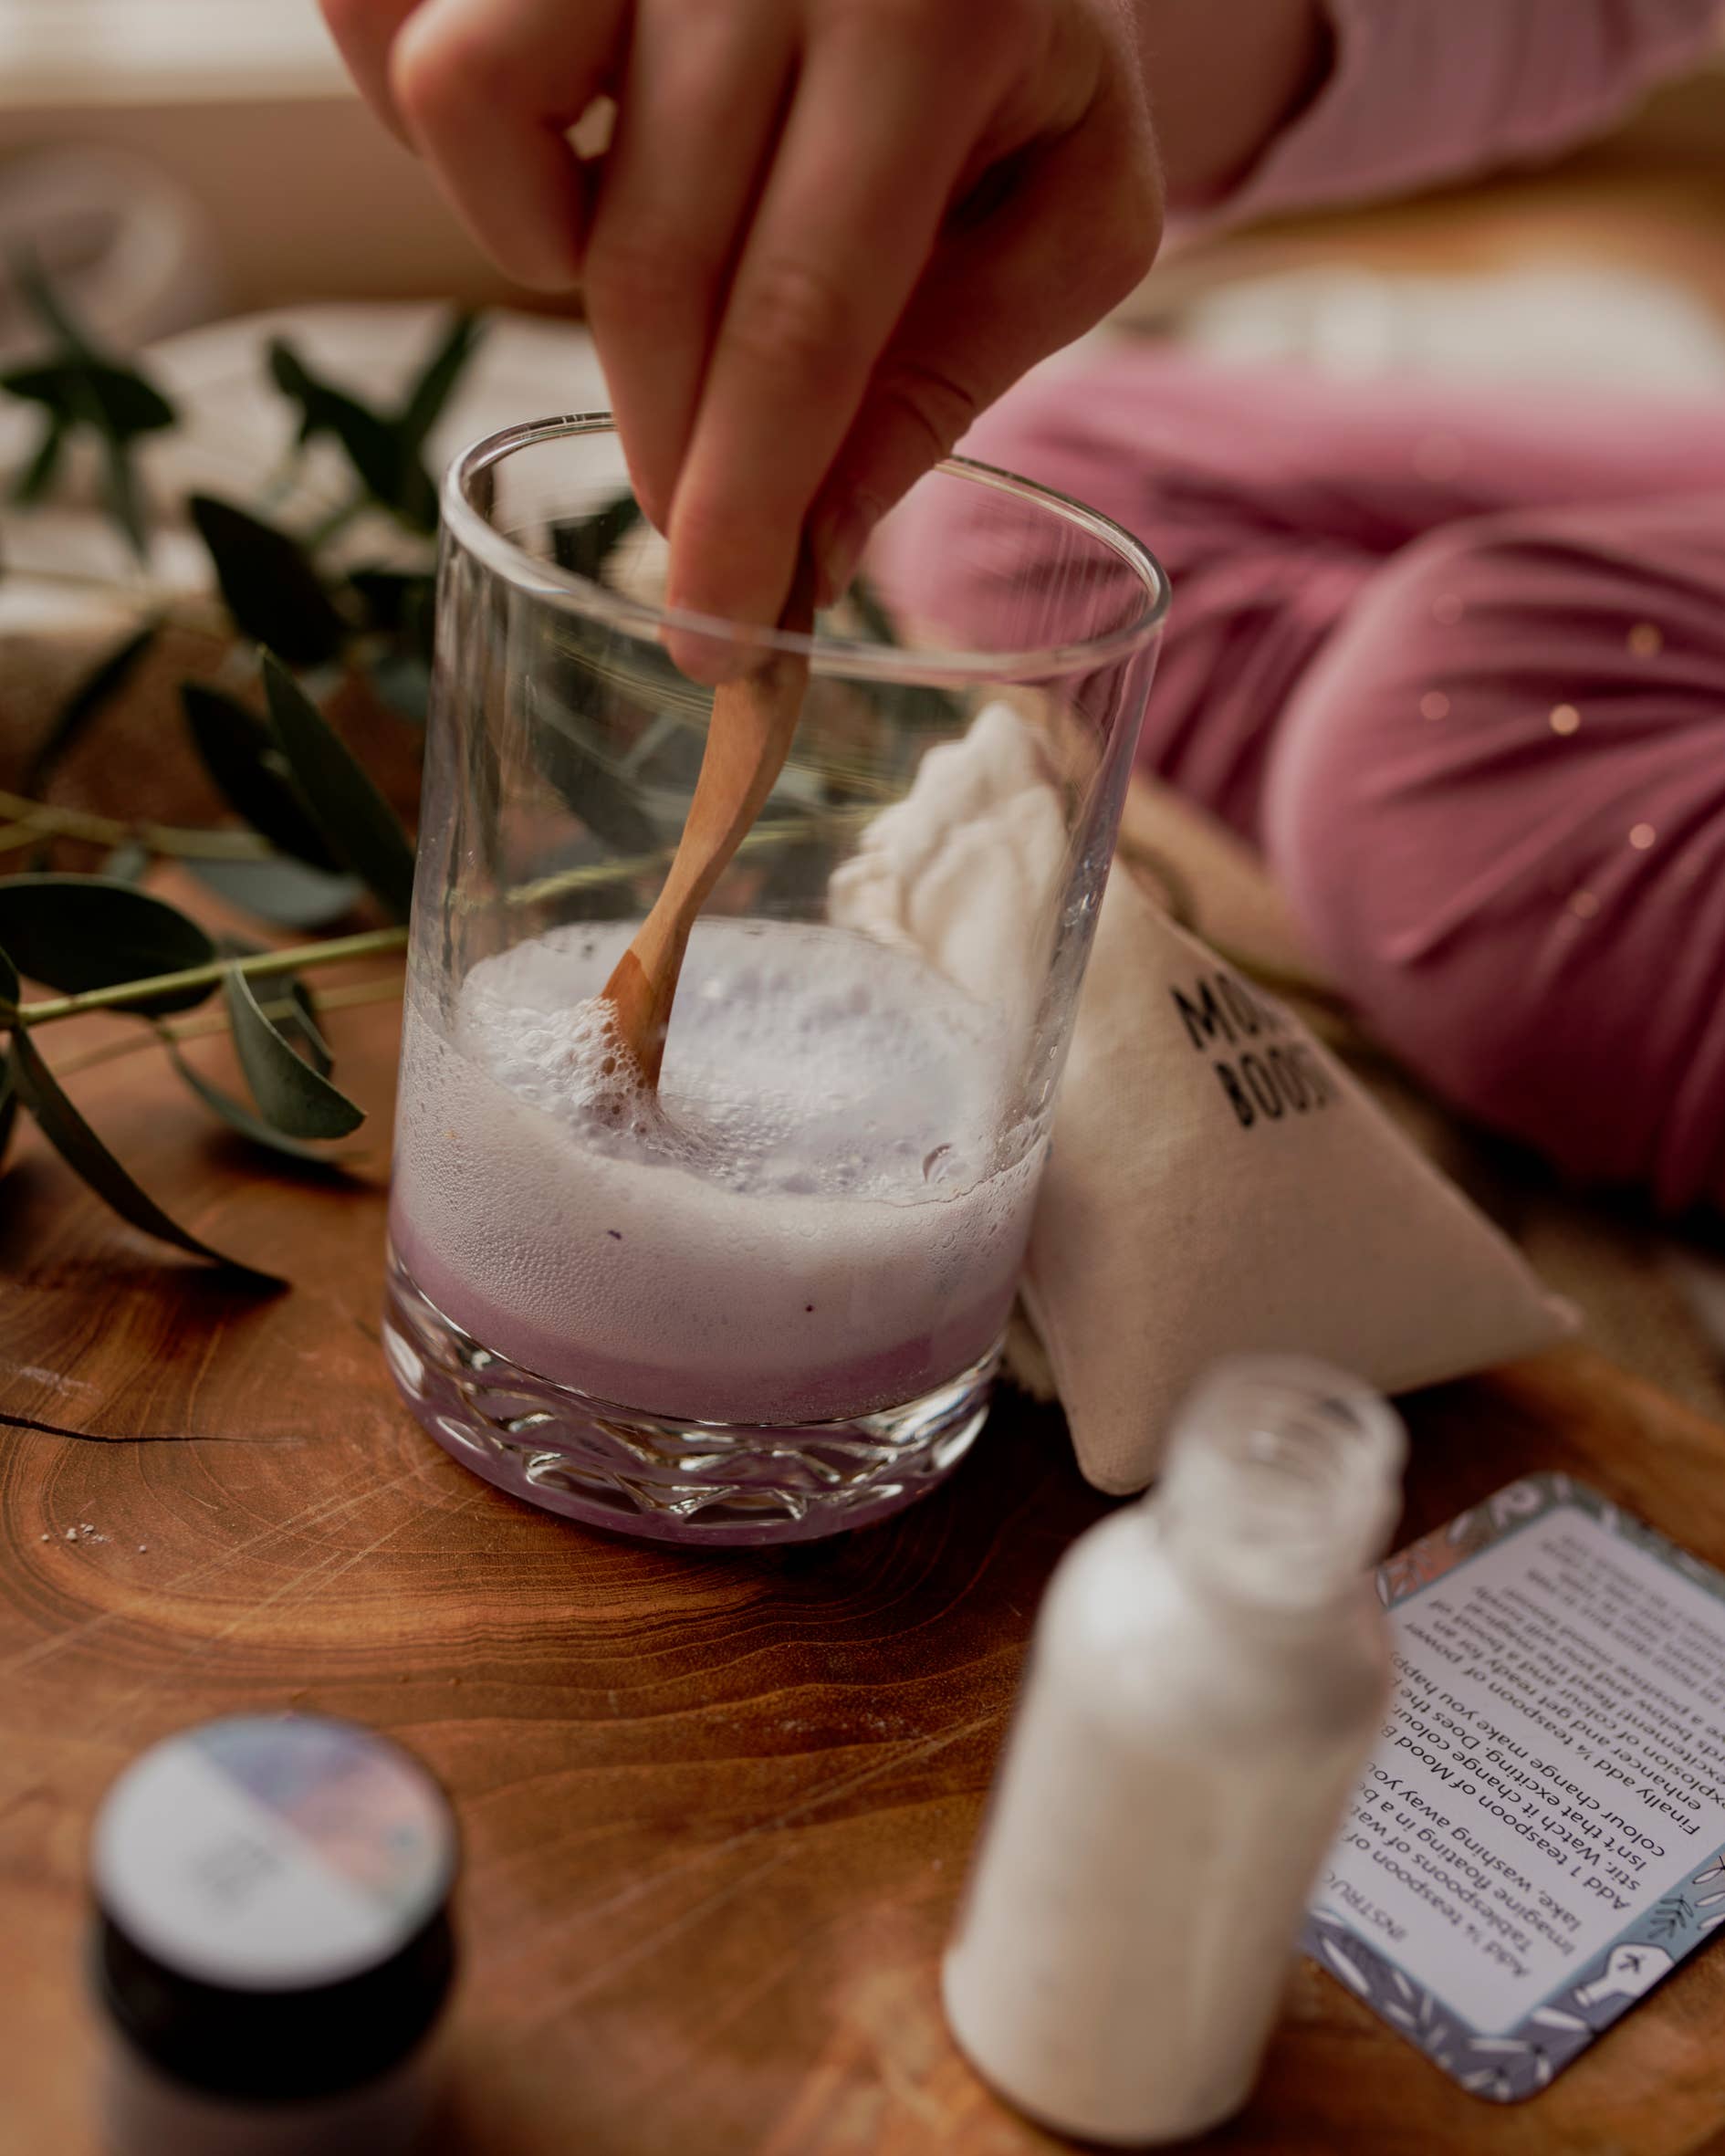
[856, 657]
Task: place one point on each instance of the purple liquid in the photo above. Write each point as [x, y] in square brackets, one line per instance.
[825, 1222]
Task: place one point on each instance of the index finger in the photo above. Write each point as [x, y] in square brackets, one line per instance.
[365, 31]
[847, 223]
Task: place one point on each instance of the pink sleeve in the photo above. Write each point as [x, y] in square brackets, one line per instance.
[1424, 91]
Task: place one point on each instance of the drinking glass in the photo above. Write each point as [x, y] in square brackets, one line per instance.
[767, 1305]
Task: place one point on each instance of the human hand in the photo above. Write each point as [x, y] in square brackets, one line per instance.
[825, 234]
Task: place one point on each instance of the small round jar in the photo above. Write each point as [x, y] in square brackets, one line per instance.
[273, 1945]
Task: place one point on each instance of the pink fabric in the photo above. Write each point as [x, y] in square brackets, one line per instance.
[1382, 596]
[1429, 89]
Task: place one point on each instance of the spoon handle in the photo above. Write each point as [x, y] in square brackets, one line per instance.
[748, 737]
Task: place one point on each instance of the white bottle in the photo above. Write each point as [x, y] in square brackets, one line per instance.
[1208, 1670]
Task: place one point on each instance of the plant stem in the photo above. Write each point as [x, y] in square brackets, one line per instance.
[44, 819]
[336, 950]
[214, 1022]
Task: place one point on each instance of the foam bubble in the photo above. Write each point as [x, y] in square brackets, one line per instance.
[815, 1216]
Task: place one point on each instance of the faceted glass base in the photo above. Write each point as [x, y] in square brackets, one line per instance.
[721, 1483]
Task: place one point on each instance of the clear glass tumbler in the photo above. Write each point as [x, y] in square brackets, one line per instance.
[767, 1304]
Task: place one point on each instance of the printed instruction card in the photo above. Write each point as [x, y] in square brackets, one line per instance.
[1539, 1836]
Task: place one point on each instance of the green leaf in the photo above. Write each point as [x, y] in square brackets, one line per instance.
[291, 374]
[84, 1153]
[117, 400]
[437, 378]
[294, 1098]
[10, 987]
[281, 890]
[388, 465]
[251, 774]
[119, 492]
[47, 305]
[89, 698]
[239, 1117]
[271, 588]
[360, 826]
[39, 475]
[88, 932]
[394, 599]
[304, 1026]
[584, 544]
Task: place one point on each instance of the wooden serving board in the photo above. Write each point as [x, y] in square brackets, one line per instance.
[717, 1808]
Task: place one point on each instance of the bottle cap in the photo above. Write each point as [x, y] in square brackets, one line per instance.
[1284, 1477]
[272, 1899]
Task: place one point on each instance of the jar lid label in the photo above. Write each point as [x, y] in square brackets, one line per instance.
[273, 1852]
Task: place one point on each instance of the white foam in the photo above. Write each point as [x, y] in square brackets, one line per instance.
[821, 1180]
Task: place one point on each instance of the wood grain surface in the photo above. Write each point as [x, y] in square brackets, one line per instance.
[717, 1808]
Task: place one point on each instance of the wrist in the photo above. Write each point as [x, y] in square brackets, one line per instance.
[1220, 103]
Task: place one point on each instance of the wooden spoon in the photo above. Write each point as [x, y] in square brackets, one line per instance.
[748, 739]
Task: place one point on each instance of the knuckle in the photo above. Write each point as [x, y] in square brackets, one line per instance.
[1122, 255]
[438, 70]
[644, 268]
[789, 316]
[938, 404]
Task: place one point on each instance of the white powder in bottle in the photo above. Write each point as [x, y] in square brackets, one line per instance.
[1208, 1670]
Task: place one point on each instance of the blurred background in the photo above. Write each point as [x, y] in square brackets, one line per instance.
[197, 178]
[252, 177]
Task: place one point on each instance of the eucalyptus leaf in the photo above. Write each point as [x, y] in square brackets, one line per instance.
[293, 1097]
[238, 1116]
[437, 378]
[89, 698]
[279, 889]
[39, 475]
[395, 600]
[387, 464]
[84, 1153]
[48, 306]
[252, 775]
[271, 588]
[304, 1025]
[117, 400]
[119, 492]
[91, 932]
[287, 1004]
[583, 545]
[360, 826]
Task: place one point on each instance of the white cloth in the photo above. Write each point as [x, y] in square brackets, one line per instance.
[1216, 1183]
